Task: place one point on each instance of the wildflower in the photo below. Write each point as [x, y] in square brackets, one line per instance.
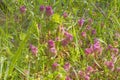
[93, 31]
[67, 66]
[42, 8]
[54, 66]
[69, 36]
[53, 51]
[87, 77]
[110, 65]
[68, 78]
[33, 49]
[118, 69]
[49, 11]
[23, 9]
[65, 14]
[88, 27]
[81, 73]
[97, 47]
[89, 50]
[51, 44]
[83, 34]
[89, 69]
[81, 22]
[109, 47]
[64, 42]
[115, 50]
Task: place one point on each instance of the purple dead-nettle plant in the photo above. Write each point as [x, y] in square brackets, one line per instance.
[110, 65]
[23, 9]
[65, 14]
[83, 34]
[81, 22]
[33, 49]
[49, 11]
[67, 66]
[42, 8]
[55, 65]
[51, 48]
[68, 78]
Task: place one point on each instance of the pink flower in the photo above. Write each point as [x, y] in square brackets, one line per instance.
[93, 31]
[83, 34]
[87, 77]
[109, 47]
[42, 8]
[89, 69]
[65, 14]
[69, 36]
[67, 66]
[110, 65]
[64, 42]
[68, 78]
[23, 9]
[96, 45]
[81, 73]
[88, 27]
[53, 51]
[118, 69]
[81, 22]
[51, 44]
[33, 49]
[88, 51]
[49, 11]
[54, 65]
[115, 50]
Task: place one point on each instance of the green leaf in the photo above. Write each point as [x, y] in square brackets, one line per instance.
[22, 36]
[57, 19]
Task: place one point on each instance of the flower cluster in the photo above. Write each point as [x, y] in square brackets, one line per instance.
[51, 48]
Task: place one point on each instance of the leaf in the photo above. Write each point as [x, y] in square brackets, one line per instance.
[22, 36]
[57, 19]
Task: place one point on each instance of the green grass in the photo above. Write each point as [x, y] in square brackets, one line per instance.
[18, 31]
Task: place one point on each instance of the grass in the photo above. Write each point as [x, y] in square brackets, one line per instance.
[18, 61]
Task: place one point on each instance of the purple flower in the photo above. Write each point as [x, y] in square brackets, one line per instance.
[83, 34]
[110, 65]
[23, 9]
[109, 47]
[54, 65]
[65, 14]
[64, 42]
[42, 8]
[81, 73]
[88, 27]
[118, 69]
[53, 51]
[87, 77]
[115, 50]
[68, 78]
[89, 69]
[68, 36]
[89, 50]
[93, 31]
[49, 11]
[67, 66]
[51, 44]
[33, 49]
[96, 45]
[81, 22]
